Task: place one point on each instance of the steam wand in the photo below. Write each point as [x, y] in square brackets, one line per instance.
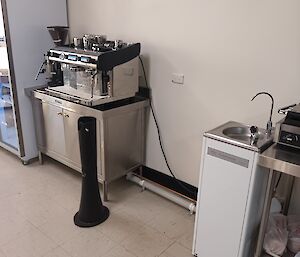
[93, 84]
[40, 70]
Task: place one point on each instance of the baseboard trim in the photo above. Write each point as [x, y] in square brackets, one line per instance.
[168, 181]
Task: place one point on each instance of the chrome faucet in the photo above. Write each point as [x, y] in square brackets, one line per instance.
[254, 135]
[269, 124]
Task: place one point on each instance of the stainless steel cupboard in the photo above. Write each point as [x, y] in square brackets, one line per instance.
[60, 134]
[120, 133]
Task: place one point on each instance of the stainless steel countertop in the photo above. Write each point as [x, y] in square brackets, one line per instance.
[282, 159]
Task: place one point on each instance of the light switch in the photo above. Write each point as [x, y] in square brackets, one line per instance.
[178, 78]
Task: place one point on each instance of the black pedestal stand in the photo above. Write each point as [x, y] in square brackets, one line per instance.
[91, 211]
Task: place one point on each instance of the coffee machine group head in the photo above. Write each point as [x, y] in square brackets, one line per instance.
[54, 72]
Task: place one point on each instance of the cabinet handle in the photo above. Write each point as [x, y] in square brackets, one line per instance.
[59, 113]
[67, 115]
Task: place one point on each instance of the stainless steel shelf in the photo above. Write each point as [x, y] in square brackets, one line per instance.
[285, 160]
[243, 141]
[282, 159]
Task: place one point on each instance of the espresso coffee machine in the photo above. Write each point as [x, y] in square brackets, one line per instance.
[98, 78]
[97, 72]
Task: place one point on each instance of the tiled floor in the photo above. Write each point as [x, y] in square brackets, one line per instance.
[37, 205]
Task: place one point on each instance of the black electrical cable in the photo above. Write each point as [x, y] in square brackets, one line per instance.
[159, 135]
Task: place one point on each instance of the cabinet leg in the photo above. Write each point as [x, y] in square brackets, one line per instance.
[141, 170]
[105, 191]
[265, 214]
[25, 162]
[41, 161]
[288, 194]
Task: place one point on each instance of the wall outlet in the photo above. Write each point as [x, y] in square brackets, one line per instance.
[177, 78]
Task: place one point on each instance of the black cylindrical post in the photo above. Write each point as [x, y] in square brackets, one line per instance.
[91, 211]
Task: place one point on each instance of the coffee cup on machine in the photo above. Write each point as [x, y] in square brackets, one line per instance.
[78, 43]
[88, 41]
[100, 39]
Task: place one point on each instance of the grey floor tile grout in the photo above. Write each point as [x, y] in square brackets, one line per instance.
[40, 194]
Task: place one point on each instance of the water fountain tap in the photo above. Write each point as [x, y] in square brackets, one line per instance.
[269, 124]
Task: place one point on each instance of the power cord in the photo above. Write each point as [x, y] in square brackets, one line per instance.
[159, 136]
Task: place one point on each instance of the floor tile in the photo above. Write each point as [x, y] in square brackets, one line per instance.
[12, 187]
[89, 242]
[176, 250]
[38, 212]
[67, 201]
[29, 244]
[144, 206]
[119, 226]
[120, 191]
[2, 253]
[57, 252]
[119, 251]
[173, 225]
[146, 243]
[38, 202]
[11, 228]
[60, 227]
[8, 207]
[187, 238]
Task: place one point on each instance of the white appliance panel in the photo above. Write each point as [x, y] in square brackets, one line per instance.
[223, 195]
[28, 21]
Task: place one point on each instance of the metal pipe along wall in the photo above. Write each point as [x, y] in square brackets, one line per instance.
[191, 206]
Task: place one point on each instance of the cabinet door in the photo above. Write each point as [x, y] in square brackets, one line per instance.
[54, 129]
[71, 137]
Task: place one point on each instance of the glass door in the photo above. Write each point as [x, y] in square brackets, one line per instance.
[8, 130]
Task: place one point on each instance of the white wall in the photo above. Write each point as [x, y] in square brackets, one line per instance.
[1, 23]
[227, 50]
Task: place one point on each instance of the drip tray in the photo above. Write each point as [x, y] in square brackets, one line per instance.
[73, 95]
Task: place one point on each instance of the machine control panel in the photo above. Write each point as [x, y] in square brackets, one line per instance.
[62, 56]
[104, 57]
[85, 59]
[289, 139]
[72, 57]
[69, 56]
